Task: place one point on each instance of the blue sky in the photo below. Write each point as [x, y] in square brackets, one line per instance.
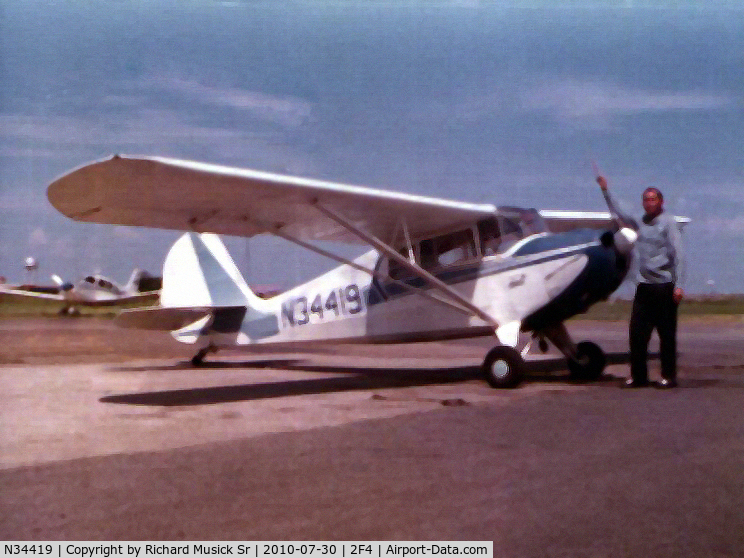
[499, 102]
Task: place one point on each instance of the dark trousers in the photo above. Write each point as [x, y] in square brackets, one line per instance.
[653, 307]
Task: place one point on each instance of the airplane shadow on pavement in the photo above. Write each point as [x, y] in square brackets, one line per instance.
[352, 379]
[283, 363]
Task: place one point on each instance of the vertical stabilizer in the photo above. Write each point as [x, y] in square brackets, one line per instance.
[199, 271]
[133, 285]
[204, 290]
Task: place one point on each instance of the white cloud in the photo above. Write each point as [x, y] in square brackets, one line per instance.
[284, 110]
[724, 225]
[145, 126]
[597, 104]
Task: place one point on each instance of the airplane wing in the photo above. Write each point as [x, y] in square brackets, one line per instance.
[23, 294]
[20, 294]
[139, 298]
[184, 195]
[562, 221]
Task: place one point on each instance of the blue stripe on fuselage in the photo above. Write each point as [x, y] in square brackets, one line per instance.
[538, 250]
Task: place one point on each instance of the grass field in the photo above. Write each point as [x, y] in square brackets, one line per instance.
[723, 305]
[13, 306]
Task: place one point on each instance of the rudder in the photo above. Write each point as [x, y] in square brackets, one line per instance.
[198, 271]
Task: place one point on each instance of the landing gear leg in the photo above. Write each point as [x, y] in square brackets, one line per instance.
[586, 360]
[198, 358]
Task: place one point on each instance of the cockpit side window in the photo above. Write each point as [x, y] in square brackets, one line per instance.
[490, 236]
[448, 249]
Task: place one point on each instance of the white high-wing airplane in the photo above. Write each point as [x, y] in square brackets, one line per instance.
[92, 290]
[438, 269]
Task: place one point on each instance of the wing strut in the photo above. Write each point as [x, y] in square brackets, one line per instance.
[412, 267]
[409, 245]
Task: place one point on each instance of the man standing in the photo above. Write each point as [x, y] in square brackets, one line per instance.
[658, 292]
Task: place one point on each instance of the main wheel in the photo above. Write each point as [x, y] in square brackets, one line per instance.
[503, 367]
[589, 362]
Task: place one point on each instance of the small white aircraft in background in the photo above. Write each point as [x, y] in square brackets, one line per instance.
[438, 269]
[93, 290]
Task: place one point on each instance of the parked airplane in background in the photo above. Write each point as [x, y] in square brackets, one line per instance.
[93, 290]
[438, 269]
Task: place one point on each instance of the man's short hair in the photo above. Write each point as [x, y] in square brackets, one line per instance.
[655, 191]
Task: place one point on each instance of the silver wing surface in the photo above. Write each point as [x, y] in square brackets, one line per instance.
[562, 221]
[20, 294]
[184, 195]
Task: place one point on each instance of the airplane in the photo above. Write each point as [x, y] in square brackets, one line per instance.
[435, 269]
[92, 290]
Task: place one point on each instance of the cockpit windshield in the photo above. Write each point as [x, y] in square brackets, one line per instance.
[489, 237]
[528, 221]
[510, 225]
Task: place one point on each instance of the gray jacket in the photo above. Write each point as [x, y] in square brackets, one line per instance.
[658, 251]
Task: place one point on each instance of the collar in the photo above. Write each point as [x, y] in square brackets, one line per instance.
[649, 219]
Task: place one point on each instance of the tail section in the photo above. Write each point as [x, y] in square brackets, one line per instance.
[132, 286]
[198, 271]
[204, 293]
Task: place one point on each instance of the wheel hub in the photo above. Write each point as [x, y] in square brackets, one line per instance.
[500, 369]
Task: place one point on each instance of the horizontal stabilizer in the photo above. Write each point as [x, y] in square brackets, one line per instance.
[160, 319]
[223, 319]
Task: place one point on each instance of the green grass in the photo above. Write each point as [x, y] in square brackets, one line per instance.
[16, 307]
[721, 305]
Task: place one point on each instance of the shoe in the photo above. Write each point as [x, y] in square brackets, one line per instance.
[633, 383]
[666, 383]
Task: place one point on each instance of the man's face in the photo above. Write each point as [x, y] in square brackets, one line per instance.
[651, 203]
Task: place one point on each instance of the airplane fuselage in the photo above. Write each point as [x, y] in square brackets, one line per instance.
[349, 305]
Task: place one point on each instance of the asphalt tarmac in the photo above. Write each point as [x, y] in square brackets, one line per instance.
[372, 443]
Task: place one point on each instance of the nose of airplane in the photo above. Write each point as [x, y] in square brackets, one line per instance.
[621, 243]
[605, 269]
[607, 263]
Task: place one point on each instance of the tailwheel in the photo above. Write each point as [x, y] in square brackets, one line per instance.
[588, 363]
[503, 367]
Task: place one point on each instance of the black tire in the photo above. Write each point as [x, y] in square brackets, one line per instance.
[503, 367]
[589, 363]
